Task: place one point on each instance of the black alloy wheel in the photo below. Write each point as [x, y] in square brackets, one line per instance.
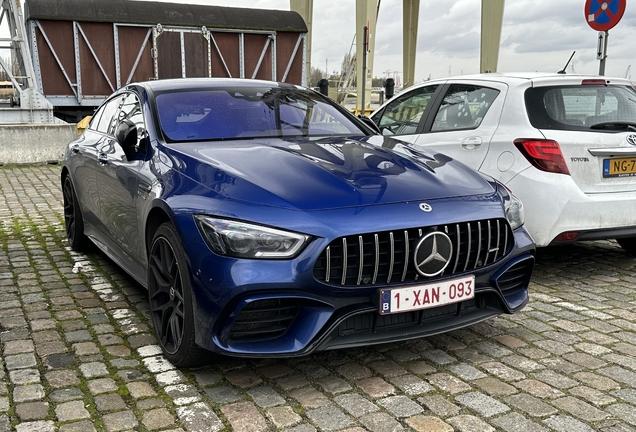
[73, 220]
[170, 296]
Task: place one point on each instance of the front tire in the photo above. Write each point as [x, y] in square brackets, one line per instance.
[628, 243]
[170, 296]
[73, 220]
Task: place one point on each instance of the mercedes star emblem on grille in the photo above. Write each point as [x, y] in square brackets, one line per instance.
[631, 139]
[433, 253]
[426, 207]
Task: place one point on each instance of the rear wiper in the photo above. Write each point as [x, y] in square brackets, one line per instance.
[614, 125]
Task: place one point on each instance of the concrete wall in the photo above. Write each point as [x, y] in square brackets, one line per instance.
[29, 144]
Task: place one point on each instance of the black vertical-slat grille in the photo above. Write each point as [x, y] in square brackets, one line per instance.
[386, 258]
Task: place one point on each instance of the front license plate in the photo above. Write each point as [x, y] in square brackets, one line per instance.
[623, 167]
[426, 296]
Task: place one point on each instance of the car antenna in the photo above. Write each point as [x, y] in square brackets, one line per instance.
[562, 71]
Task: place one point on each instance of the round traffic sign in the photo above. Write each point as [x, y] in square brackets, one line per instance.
[602, 15]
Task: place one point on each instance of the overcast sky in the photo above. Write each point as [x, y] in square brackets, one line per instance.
[537, 35]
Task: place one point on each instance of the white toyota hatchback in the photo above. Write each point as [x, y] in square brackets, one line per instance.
[564, 144]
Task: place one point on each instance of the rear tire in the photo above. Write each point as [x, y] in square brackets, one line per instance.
[73, 220]
[628, 243]
[171, 302]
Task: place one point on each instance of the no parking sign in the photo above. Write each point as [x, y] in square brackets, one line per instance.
[602, 15]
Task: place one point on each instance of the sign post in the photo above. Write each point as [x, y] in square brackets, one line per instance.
[602, 15]
[601, 51]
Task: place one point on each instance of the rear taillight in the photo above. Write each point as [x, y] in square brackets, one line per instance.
[543, 154]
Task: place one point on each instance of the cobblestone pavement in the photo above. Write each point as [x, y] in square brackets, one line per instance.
[78, 353]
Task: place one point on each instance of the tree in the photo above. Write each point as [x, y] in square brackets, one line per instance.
[346, 62]
[315, 76]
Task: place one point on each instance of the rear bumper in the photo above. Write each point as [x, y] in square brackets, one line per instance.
[553, 204]
[603, 234]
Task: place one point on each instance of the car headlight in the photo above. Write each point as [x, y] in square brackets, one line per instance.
[513, 207]
[244, 240]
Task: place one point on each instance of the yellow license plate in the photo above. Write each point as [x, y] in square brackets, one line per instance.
[623, 167]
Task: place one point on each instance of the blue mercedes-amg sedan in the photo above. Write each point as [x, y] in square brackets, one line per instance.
[267, 221]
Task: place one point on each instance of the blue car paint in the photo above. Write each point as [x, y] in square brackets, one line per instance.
[293, 184]
[223, 279]
[287, 173]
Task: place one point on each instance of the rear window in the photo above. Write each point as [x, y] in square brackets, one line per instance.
[240, 113]
[582, 107]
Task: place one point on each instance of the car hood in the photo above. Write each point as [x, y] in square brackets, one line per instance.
[325, 173]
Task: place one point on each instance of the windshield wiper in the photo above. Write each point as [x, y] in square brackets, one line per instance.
[615, 125]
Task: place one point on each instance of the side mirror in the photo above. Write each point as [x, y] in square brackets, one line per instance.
[126, 135]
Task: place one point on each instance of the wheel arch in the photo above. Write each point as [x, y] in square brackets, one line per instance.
[158, 215]
[63, 175]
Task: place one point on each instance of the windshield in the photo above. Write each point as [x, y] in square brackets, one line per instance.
[583, 107]
[232, 113]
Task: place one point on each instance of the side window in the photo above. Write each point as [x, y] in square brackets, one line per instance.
[402, 116]
[464, 107]
[131, 110]
[106, 121]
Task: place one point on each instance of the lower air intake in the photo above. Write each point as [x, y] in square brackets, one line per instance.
[264, 320]
[516, 277]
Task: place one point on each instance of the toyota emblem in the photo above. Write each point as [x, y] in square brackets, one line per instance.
[426, 207]
[631, 139]
[433, 254]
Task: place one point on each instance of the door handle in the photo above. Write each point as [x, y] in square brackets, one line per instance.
[471, 143]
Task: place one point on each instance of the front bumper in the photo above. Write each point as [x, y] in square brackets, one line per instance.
[294, 315]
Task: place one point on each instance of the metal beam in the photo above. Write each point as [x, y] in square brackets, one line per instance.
[305, 9]
[33, 107]
[366, 16]
[410, 19]
[491, 22]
